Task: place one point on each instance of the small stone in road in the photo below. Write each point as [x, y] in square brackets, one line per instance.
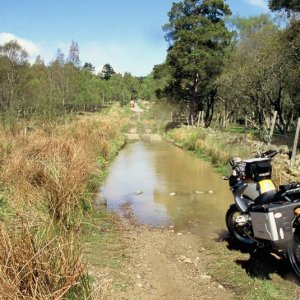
[220, 286]
[172, 194]
[211, 192]
[139, 285]
[204, 276]
[185, 259]
[198, 192]
[179, 233]
[138, 276]
[138, 192]
[171, 226]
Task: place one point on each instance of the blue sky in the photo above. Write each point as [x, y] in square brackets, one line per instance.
[125, 33]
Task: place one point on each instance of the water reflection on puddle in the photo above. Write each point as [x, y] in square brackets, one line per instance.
[177, 188]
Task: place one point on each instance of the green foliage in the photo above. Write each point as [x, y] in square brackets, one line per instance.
[261, 73]
[198, 39]
[61, 87]
[107, 72]
[293, 5]
[88, 66]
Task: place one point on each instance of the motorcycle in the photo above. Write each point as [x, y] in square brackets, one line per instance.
[263, 216]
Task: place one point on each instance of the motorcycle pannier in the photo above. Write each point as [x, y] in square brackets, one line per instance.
[258, 169]
[273, 221]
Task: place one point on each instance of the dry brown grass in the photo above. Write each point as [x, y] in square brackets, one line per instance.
[37, 266]
[44, 178]
[53, 170]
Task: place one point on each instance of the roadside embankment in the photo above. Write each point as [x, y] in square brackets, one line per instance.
[47, 178]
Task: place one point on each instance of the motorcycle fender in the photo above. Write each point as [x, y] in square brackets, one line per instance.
[241, 202]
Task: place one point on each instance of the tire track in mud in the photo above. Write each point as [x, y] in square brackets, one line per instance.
[163, 264]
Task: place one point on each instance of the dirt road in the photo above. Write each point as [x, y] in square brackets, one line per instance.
[163, 264]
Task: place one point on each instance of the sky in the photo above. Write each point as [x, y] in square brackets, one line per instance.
[127, 34]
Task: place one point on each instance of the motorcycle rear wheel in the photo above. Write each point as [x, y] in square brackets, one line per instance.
[236, 233]
[294, 254]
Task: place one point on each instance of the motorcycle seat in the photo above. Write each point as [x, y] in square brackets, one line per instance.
[266, 197]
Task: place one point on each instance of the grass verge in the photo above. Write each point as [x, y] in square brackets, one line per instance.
[46, 183]
[215, 147]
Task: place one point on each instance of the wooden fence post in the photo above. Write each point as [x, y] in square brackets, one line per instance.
[202, 118]
[272, 127]
[192, 120]
[199, 116]
[295, 142]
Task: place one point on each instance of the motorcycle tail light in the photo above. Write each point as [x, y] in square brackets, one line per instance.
[297, 211]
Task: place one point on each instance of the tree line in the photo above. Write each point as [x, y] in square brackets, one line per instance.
[232, 67]
[228, 67]
[63, 85]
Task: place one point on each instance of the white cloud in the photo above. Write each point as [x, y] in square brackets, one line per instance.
[32, 49]
[260, 3]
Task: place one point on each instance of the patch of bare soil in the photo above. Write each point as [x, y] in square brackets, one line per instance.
[163, 264]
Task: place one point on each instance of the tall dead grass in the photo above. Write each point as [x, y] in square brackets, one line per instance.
[37, 264]
[44, 179]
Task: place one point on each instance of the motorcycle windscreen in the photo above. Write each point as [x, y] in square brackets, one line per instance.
[266, 186]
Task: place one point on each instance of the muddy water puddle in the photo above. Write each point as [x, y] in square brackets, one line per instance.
[161, 185]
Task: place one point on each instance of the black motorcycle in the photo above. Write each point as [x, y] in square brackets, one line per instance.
[263, 216]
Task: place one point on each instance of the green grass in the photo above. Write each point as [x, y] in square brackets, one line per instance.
[251, 278]
[216, 148]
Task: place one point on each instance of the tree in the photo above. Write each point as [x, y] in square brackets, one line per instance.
[198, 39]
[74, 55]
[107, 72]
[256, 80]
[88, 66]
[60, 57]
[39, 61]
[289, 5]
[13, 61]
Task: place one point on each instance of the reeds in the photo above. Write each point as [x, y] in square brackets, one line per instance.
[44, 182]
[37, 264]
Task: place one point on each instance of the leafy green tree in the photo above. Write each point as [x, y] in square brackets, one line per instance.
[107, 72]
[88, 66]
[257, 77]
[148, 88]
[198, 39]
[290, 5]
[131, 84]
[13, 63]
